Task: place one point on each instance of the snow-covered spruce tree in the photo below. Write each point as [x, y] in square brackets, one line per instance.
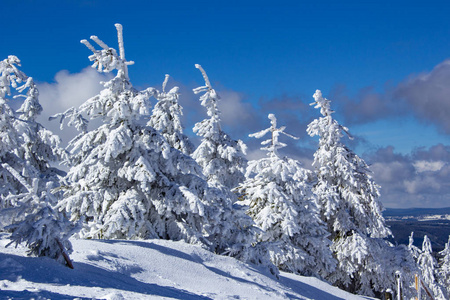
[278, 193]
[125, 180]
[222, 158]
[9, 135]
[223, 163]
[166, 117]
[444, 267]
[348, 199]
[26, 177]
[33, 221]
[415, 251]
[428, 267]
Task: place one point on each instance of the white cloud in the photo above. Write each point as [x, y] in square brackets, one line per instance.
[68, 90]
[421, 185]
[428, 166]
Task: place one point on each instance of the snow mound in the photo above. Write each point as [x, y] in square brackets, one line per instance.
[153, 269]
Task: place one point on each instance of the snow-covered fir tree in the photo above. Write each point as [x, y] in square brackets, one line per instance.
[223, 163]
[32, 220]
[444, 268]
[348, 199]
[126, 181]
[278, 193]
[414, 250]
[222, 158]
[428, 267]
[166, 117]
[9, 135]
[26, 177]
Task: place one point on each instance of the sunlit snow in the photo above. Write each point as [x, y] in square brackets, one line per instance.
[154, 269]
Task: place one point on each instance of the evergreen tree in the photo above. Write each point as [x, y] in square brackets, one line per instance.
[428, 264]
[26, 177]
[127, 182]
[166, 117]
[33, 221]
[223, 163]
[348, 199]
[9, 134]
[444, 267]
[221, 157]
[415, 251]
[278, 193]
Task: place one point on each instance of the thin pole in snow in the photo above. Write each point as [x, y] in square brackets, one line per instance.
[398, 276]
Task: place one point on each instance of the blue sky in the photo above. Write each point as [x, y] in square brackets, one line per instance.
[382, 63]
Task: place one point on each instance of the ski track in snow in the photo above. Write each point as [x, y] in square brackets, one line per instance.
[153, 269]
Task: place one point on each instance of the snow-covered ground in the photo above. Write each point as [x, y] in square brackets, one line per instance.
[154, 269]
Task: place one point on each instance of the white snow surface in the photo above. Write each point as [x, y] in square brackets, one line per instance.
[151, 269]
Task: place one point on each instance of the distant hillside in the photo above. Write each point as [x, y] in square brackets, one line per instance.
[433, 222]
[415, 212]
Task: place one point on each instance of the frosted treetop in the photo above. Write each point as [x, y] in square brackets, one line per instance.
[322, 103]
[207, 87]
[171, 95]
[210, 98]
[273, 143]
[10, 75]
[210, 92]
[107, 59]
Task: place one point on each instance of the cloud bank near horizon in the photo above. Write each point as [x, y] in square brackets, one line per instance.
[420, 179]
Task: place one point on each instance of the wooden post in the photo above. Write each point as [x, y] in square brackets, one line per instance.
[423, 285]
[416, 284]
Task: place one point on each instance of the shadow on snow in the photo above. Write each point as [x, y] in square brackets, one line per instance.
[30, 269]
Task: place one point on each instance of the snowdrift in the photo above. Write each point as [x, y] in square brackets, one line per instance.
[154, 269]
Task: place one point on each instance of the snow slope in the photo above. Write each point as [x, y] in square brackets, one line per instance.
[154, 269]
